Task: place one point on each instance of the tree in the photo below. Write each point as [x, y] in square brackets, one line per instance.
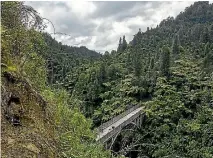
[102, 73]
[124, 45]
[139, 34]
[211, 33]
[196, 32]
[181, 35]
[207, 62]
[152, 63]
[113, 52]
[176, 46]
[147, 29]
[204, 38]
[139, 30]
[137, 64]
[106, 53]
[119, 45]
[206, 49]
[134, 41]
[165, 62]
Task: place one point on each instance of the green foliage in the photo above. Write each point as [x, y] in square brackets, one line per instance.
[20, 47]
[207, 62]
[204, 38]
[25, 53]
[119, 45]
[179, 116]
[175, 47]
[177, 86]
[73, 129]
[211, 33]
[165, 61]
[124, 45]
[152, 64]
[62, 59]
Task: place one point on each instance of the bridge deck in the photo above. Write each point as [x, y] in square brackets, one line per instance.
[116, 124]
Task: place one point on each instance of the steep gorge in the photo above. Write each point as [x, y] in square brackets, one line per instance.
[53, 94]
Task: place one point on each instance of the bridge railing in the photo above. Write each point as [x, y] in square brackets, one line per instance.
[119, 128]
[115, 119]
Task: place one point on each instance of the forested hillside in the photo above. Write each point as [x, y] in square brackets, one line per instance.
[129, 76]
[167, 69]
[38, 119]
[54, 94]
[62, 59]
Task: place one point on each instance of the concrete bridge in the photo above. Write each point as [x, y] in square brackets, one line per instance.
[109, 130]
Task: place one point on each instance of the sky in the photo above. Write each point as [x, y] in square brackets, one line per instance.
[99, 25]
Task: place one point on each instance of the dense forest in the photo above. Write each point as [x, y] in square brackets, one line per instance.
[38, 117]
[54, 96]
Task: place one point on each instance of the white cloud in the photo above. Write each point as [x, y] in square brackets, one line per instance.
[81, 8]
[101, 32]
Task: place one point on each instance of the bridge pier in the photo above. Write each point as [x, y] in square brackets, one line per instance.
[108, 144]
[136, 121]
[139, 120]
[141, 117]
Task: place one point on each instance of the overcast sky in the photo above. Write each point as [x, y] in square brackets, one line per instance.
[98, 25]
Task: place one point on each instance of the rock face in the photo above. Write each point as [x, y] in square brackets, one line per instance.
[26, 127]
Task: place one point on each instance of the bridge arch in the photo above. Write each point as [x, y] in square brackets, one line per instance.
[125, 128]
[109, 133]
